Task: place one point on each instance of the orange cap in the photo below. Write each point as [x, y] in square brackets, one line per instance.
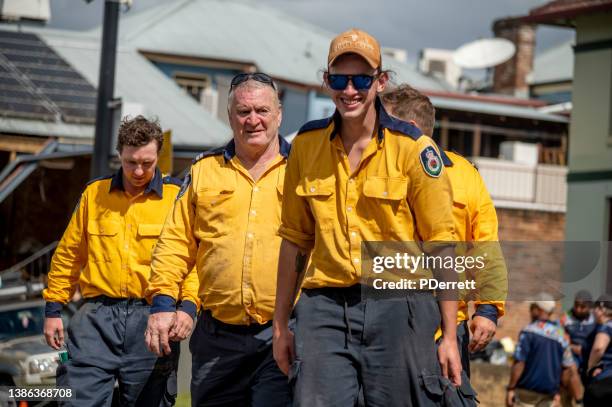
[357, 42]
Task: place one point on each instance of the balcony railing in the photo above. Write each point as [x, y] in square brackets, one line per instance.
[521, 186]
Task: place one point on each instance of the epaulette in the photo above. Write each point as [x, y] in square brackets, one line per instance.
[402, 127]
[99, 179]
[208, 153]
[172, 180]
[446, 159]
[316, 125]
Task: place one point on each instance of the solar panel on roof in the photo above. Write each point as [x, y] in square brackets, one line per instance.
[36, 82]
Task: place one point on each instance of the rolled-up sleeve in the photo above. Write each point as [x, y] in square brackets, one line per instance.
[297, 222]
[431, 198]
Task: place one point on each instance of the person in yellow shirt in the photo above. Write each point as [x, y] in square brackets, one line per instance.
[361, 176]
[225, 222]
[474, 215]
[106, 251]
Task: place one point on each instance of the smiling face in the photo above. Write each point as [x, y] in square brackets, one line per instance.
[255, 115]
[138, 164]
[352, 103]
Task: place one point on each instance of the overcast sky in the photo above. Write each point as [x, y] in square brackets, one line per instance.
[406, 24]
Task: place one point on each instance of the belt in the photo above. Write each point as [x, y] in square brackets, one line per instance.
[114, 301]
[239, 329]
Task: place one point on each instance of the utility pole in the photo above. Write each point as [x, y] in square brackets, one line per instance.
[106, 84]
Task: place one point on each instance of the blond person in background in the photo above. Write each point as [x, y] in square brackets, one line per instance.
[474, 215]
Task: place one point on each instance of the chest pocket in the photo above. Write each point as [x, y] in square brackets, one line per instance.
[215, 210]
[148, 233]
[319, 193]
[102, 236]
[386, 188]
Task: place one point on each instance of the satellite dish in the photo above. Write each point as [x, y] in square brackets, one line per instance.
[484, 53]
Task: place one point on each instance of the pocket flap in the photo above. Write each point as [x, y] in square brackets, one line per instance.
[315, 187]
[459, 198]
[432, 384]
[149, 230]
[385, 187]
[102, 227]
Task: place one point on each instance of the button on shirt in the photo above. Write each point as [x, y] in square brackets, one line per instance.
[107, 246]
[329, 209]
[226, 224]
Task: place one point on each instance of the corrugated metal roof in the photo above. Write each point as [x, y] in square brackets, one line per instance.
[495, 109]
[136, 81]
[555, 64]
[245, 31]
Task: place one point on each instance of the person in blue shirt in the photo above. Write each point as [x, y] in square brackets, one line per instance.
[541, 355]
[579, 323]
[599, 390]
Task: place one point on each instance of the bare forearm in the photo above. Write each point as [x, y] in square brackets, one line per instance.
[291, 268]
[595, 357]
[515, 374]
[448, 312]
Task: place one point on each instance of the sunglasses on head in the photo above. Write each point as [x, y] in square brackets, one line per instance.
[256, 76]
[360, 82]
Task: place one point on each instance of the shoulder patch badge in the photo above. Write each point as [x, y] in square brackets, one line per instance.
[431, 162]
[186, 183]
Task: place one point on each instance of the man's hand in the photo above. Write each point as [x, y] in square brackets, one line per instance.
[54, 332]
[182, 326]
[450, 362]
[510, 398]
[157, 333]
[483, 330]
[282, 348]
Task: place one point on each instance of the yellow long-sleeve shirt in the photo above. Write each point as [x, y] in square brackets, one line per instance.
[476, 221]
[398, 193]
[226, 224]
[107, 246]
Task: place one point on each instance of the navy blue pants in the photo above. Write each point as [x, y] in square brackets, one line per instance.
[106, 344]
[232, 365]
[385, 347]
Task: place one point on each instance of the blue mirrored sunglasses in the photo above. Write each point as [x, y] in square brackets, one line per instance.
[360, 82]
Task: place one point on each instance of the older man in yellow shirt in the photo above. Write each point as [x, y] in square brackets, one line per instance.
[225, 222]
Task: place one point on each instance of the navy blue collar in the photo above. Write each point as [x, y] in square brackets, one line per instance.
[230, 149]
[385, 121]
[155, 185]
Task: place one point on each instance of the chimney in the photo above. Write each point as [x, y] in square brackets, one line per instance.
[510, 78]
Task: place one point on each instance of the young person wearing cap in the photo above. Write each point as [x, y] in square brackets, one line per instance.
[225, 222]
[599, 390]
[360, 176]
[475, 221]
[541, 355]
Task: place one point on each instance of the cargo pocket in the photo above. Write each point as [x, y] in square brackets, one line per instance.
[319, 193]
[441, 389]
[294, 371]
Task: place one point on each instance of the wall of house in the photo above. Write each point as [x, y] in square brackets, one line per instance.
[590, 148]
[295, 110]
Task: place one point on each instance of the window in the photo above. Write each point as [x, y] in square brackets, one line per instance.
[194, 84]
